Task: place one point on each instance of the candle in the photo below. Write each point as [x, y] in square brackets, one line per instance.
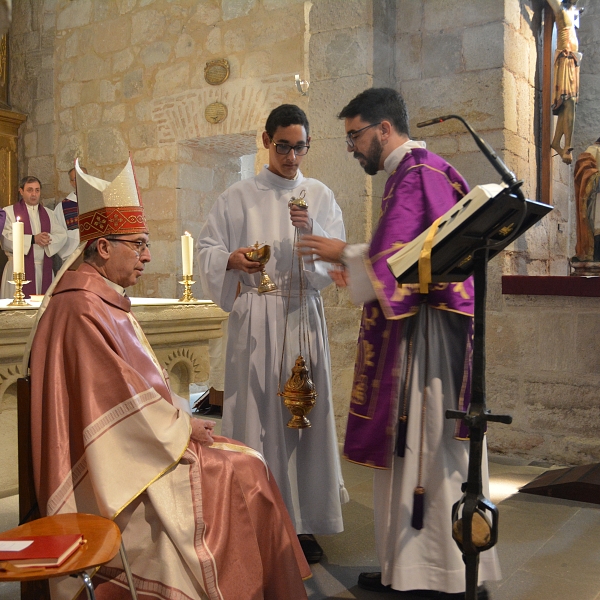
[187, 253]
[18, 232]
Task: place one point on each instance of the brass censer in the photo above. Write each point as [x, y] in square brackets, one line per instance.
[262, 253]
[299, 394]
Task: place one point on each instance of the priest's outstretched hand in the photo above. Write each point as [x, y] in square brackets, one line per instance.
[322, 248]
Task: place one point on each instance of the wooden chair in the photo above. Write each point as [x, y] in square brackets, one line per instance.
[32, 587]
[102, 542]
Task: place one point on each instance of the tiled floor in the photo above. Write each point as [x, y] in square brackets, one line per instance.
[549, 549]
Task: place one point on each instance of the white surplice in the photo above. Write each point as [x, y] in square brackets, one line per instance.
[426, 559]
[72, 234]
[305, 462]
[57, 232]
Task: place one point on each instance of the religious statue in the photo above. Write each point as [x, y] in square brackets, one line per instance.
[587, 189]
[566, 75]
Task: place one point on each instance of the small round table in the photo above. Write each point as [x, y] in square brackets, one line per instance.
[102, 536]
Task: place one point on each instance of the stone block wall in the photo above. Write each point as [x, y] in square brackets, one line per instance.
[100, 79]
[543, 350]
[544, 370]
[351, 49]
[31, 90]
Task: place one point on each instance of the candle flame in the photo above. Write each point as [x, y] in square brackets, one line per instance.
[187, 233]
[18, 218]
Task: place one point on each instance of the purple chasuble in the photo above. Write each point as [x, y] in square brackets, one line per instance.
[71, 213]
[20, 209]
[2, 219]
[421, 189]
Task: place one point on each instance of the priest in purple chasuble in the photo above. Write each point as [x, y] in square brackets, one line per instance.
[201, 515]
[413, 359]
[44, 237]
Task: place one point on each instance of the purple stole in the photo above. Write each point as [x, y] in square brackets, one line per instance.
[421, 189]
[21, 211]
[71, 213]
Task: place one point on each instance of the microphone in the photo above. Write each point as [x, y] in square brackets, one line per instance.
[433, 121]
[507, 175]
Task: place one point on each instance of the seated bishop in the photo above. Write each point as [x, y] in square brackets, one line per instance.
[201, 515]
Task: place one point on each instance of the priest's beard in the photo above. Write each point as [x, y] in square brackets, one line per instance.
[372, 157]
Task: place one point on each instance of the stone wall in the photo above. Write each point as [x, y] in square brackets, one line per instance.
[351, 49]
[544, 370]
[98, 78]
[543, 360]
[102, 78]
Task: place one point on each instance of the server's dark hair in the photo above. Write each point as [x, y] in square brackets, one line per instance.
[284, 116]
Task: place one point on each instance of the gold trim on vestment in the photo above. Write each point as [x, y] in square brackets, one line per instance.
[376, 382]
[454, 184]
[365, 464]
[157, 477]
[229, 447]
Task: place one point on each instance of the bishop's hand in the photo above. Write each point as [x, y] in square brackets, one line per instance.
[202, 431]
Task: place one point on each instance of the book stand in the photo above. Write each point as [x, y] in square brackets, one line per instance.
[467, 251]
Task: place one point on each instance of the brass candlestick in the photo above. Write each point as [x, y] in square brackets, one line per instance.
[19, 297]
[187, 289]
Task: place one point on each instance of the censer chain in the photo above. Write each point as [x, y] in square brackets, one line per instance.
[303, 330]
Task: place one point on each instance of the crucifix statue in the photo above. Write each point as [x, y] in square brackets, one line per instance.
[567, 59]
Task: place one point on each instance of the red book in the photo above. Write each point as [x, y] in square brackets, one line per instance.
[44, 551]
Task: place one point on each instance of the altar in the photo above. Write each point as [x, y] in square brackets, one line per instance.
[177, 331]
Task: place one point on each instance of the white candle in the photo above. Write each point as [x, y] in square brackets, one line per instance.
[187, 253]
[18, 232]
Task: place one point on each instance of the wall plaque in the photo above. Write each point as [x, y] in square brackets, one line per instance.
[215, 112]
[216, 71]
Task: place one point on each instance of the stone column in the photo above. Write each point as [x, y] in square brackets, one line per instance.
[350, 49]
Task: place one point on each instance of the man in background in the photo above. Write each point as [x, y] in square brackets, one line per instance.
[44, 237]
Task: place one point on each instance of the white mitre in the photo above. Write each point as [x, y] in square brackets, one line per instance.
[109, 208]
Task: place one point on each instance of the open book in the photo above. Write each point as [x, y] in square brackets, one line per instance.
[488, 213]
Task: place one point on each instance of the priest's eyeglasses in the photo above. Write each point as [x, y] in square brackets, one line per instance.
[352, 135]
[139, 245]
[299, 150]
